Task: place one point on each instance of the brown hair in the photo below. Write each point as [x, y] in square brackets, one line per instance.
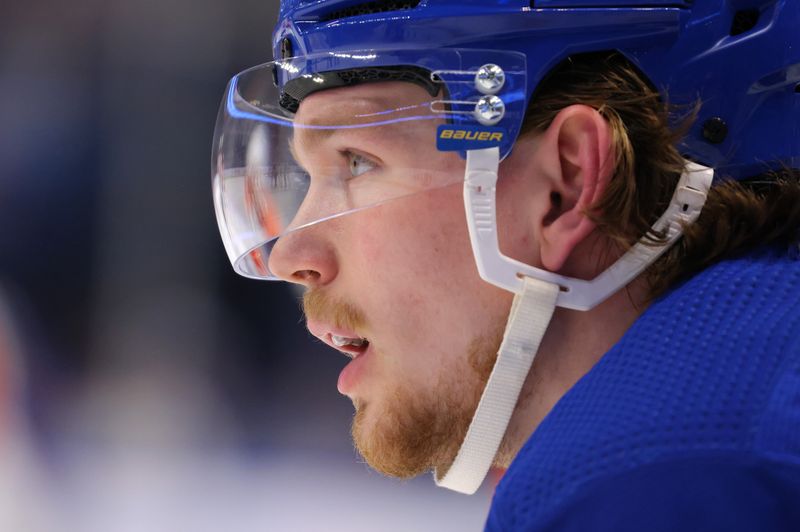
[737, 217]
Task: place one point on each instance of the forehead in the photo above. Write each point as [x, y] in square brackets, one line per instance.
[390, 121]
[368, 103]
[394, 116]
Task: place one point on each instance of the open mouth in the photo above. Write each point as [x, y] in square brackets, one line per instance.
[351, 347]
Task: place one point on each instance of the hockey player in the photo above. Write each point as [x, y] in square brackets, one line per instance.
[557, 237]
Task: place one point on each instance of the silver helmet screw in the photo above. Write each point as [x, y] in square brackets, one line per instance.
[490, 79]
[489, 110]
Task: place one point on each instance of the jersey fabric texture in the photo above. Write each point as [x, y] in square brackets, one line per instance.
[690, 422]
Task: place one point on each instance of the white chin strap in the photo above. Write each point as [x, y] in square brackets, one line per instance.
[537, 293]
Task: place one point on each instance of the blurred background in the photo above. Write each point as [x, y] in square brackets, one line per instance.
[143, 386]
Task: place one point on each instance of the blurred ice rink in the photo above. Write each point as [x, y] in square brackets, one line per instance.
[143, 386]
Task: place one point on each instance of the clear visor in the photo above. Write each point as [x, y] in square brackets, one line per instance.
[345, 149]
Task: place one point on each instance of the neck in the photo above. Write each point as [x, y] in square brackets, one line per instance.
[575, 341]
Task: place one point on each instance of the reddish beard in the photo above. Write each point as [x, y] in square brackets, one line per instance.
[408, 431]
[319, 307]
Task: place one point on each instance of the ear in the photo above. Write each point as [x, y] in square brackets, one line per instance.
[579, 163]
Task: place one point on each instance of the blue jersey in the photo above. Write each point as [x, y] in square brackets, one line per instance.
[690, 422]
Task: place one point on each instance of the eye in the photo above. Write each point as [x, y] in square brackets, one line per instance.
[359, 164]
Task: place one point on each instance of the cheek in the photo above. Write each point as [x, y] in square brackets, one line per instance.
[416, 240]
[516, 222]
[414, 256]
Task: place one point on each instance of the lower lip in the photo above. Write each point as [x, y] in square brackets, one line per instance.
[352, 373]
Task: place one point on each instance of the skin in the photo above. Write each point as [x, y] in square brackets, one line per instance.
[402, 274]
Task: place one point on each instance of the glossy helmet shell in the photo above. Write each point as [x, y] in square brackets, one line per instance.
[740, 58]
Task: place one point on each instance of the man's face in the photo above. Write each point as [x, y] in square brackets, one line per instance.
[400, 274]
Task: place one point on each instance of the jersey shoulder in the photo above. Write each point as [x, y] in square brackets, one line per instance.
[714, 493]
[709, 374]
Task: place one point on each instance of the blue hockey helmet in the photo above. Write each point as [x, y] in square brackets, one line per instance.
[740, 58]
[480, 61]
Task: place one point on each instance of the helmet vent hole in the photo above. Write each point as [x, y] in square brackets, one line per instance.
[744, 21]
[369, 8]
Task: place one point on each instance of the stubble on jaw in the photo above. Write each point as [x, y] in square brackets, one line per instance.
[410, 430]
[421, 430]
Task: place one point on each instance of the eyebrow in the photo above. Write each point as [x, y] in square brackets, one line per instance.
[321, 128]
[312, 136]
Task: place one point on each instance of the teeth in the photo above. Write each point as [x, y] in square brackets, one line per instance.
[341, 341]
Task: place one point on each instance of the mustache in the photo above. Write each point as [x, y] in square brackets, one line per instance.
[318, 306]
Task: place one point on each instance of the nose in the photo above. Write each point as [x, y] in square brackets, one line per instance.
[305, 257]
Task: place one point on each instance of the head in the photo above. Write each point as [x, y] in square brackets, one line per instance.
[394, 275]
[377, 234]
[401, 274]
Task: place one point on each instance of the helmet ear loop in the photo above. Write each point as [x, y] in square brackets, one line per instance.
[578, 294]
